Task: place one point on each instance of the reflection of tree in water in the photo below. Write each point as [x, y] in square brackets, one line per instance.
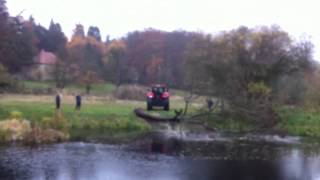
[163, 145]
[301, 163]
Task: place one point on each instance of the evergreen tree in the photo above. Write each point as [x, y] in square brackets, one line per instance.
[56, 40]
[3, 28]
[79, 31]
[94, 32]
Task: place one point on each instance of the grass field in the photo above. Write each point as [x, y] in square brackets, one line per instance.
[101, 112]
[94, 119]
[99, 116]
[104, 115]
[96, 89]
[292, 121]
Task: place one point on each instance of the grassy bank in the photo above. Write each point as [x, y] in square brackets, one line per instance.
[292, 121]
[93, 121]
[227, 124]
[104, 117]
[299, 121]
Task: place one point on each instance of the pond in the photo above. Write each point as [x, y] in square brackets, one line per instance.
[168, 153]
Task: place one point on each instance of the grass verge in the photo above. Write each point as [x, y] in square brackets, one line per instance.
[96, 89]
[299, 121]
[101, 120]
[293, 121]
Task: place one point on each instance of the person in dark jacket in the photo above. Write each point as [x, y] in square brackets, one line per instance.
[58, 101]
[78, 102]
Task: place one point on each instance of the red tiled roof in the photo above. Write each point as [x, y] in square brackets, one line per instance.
[46, 58]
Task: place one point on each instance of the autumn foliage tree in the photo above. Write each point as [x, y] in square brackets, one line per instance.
[158, 56]
[242, 67]
[115, 64]
[3, 29]
[85, 56]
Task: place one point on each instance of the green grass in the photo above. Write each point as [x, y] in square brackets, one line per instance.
[97, 119]
[293, 121]
[227, 124]
[298, 121]
[96, 89]
[37, 84]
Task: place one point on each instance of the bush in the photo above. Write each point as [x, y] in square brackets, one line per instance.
[58, 122]
[129, 92]
[14, 130]
[16, 115]
[38, 136]
[46, 122]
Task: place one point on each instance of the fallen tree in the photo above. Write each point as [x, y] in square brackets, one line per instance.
[148, 117]
[179, 114]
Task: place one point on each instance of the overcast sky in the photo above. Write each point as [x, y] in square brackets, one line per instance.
[117, 17]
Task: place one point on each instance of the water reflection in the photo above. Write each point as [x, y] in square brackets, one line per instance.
[297, 165]
[98, 161]
[171, 152]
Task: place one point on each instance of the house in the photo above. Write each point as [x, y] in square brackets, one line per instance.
[43, 67]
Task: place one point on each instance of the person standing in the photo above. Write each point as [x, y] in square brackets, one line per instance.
[78, 102]
[58, 101]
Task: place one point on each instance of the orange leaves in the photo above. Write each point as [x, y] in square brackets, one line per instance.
[76, 47]
[89, 77]
[117, 44]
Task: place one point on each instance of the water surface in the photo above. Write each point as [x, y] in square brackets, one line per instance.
[167, 155]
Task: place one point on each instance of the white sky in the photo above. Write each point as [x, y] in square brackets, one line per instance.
[118, 17]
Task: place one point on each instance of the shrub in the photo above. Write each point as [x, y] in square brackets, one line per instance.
[46, 122]
[16, 115]
[58, 122]
[14, 130]
[129, 92]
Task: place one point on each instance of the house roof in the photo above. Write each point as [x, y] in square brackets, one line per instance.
[46, 58]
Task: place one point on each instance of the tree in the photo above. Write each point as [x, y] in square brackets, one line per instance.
[56, 40]
[241, 67]
[197, 54]
[175, 58]
[19, 47]
[94, 32]
[78, 31]
[3, 28]
[3, 16]
[158, 56]
[311, 98]
[88, 78]
[86, 53]
[61, 73]
[5, 79]
[143, 48]
[114, 62]
[42, 38]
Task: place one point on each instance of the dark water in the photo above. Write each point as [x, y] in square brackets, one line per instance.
[167, 155]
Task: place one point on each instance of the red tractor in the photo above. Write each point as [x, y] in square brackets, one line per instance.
[158, 95]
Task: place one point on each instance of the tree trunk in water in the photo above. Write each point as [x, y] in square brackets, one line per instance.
[222, 106]
[148, 117]
[186, 108]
